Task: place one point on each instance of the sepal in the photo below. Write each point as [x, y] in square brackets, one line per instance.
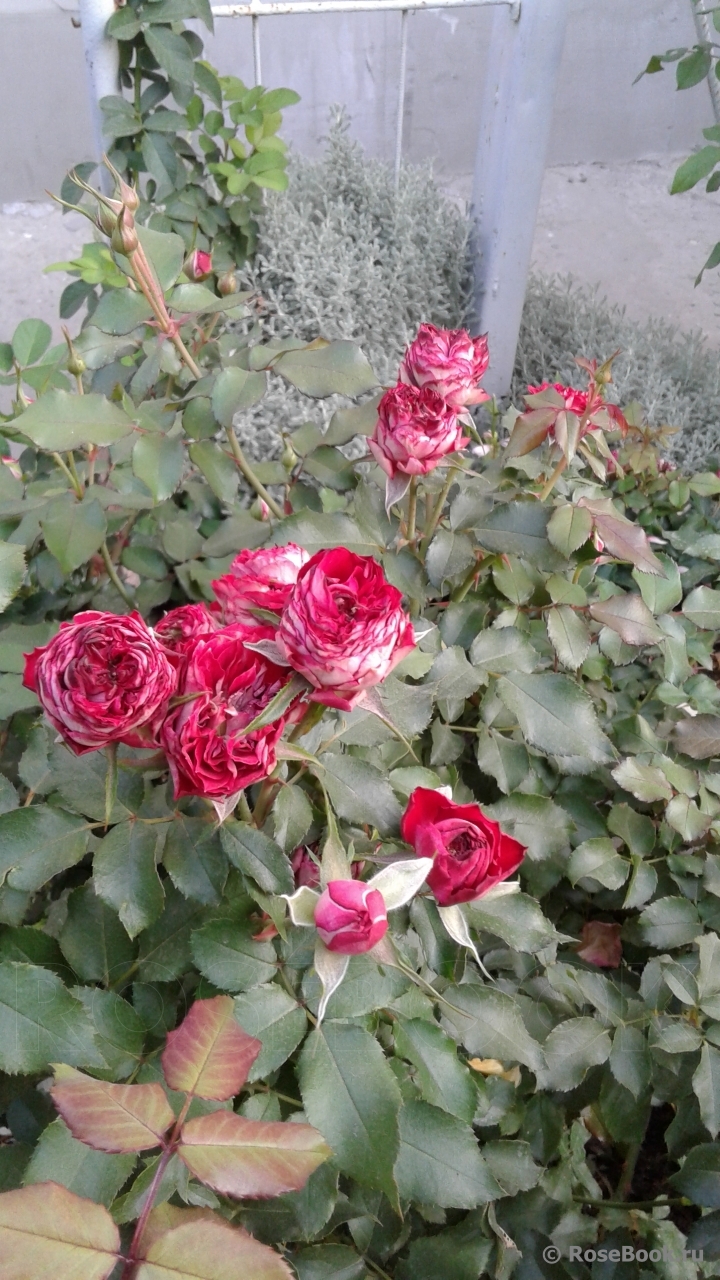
[302, 905]
[330, 967]
[400, 882]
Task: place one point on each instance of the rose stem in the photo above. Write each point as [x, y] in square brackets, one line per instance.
[437, 511]
[111, 781]
[412, 509]
[547, 490]
[250, 476]
[113, 575]
[461, 591]
[268, 792]
[74, 479]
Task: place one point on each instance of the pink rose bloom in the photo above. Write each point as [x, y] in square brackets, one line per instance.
[350, 917]
[198, 265]
[449, 362]
[600, 944]
[260, 579]
[415, 430]
[208, 750]
[180, 630]
[103, 678]
[575, 401]
[471, 854]
[344, 627]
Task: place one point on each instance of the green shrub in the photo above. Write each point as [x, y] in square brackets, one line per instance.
[500, 1078]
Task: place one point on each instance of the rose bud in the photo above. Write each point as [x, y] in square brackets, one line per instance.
[208, 749]
[261, 579]
[198, 265]
[350, 917]
[343, 627]
[449, 362]
[471, 854]
[103, 678]
[600, 944]
[227, 284]
[124, 238]
[180, 630]
[415, 430]
[306, 869]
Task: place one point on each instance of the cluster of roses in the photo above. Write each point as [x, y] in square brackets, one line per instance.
[420, 419]
[194, 684]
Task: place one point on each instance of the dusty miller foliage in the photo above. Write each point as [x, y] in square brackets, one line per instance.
[339, 254]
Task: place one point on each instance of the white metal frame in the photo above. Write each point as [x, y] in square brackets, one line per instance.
[523, 64]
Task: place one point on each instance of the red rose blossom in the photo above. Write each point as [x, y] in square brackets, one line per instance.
[350, 917]
[471, 854]
[103, 678]
[415, 430]
[600, 944]
[449, 362]
[180, 630]
[260, 579]
[575, 401]
[344, 628]
[208, 750]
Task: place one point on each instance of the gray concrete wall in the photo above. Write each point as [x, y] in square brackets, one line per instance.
[353, 59]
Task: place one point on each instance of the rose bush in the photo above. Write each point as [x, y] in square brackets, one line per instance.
[414, 786]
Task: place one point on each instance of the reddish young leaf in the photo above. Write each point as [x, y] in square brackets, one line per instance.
[111, 1117]
[241, 1157]
[48, 1231]
[209, 1054]
[205, 1247]
[621, 537]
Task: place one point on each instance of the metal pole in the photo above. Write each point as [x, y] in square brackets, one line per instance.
[523, 64]
[256, 48]
[705, 36]
[103, 65]
[401, 95]
[275, 8]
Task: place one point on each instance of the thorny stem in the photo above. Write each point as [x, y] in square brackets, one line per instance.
[112, 574]
[244, 807]
[250, 476]
[77, 482]
[437, 511]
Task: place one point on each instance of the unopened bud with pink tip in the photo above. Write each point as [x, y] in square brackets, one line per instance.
[198, 265]
[227, 284]
[260, 509]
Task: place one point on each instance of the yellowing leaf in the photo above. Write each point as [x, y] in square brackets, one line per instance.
[209, 1054]
[111, 1117]
[48, 1231]
[240, 1157]
[207, 1248]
